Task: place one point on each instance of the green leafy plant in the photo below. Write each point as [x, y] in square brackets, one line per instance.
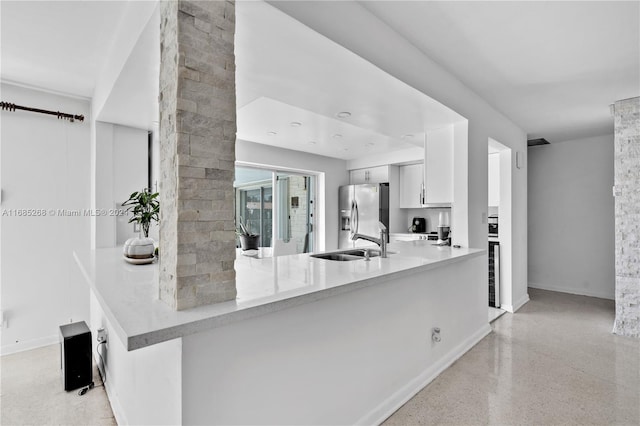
[243, 229]
[145, 208]
[248, 240]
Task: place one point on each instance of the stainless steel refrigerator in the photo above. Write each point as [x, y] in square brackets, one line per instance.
[361, 208]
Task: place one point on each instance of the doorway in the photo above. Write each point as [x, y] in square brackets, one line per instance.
[499, 163]
[295, 210]
[277, 205]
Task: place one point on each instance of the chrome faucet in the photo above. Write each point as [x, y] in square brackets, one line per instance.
[382, 241]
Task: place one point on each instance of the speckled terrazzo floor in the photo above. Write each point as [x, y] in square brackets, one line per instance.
[554, 362]
[31, 393]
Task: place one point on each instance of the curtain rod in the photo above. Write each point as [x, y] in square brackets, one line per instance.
[6, 106]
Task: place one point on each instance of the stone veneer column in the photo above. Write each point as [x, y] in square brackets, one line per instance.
[197, 152]
[627, 208]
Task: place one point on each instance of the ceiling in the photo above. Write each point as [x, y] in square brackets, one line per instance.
[551, 67]
[59, 46]
[290, 90]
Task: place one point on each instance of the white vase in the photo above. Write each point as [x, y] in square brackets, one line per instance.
[139, 248]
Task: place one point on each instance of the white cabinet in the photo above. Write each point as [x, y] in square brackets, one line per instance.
[494, 180]
[369, 175]
[411, 186]
[430, 183]
[438, 166]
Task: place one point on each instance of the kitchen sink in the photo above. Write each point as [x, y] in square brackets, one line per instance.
[347, 255]
[360, 252]
[336, 256]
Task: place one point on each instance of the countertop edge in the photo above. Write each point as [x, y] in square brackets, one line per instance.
[142, 340]
[138, 340]
[103, 304]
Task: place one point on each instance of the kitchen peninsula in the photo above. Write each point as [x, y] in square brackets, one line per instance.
[307, 341]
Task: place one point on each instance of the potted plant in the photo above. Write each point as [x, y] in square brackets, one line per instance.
[145, 208]
[248, 240]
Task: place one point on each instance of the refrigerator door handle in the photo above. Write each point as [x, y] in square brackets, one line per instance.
[352, 222]
[354, 219]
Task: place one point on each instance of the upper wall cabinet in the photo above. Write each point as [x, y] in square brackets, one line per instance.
[369, 175]
[438, 170]
[411, 186]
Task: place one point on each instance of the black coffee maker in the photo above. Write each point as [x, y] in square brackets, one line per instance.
[419, 225]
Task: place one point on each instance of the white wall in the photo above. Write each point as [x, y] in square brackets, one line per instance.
[123, 91]
[121, 168]
[494, 180]
[127, 34]
[44, 165]
[334, 174]
[350, 359]
[409, 155]
[395, 55]
[130, 172]
[144, 386]
[104, 227]
[571, 217]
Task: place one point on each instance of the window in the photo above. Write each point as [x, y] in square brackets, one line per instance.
[289, 209]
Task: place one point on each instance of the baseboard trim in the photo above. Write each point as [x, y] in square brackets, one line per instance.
[408, 391]
[27, 345]
[572, 290]
[116, 408]
[519, 304]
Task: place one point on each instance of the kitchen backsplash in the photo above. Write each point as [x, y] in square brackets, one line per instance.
[430, 214]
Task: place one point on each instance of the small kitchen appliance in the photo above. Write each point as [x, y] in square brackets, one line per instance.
[443, 235]
[493, 224]
[443, 228]
[418, 225]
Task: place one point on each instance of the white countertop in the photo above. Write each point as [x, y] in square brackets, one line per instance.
[128, 293]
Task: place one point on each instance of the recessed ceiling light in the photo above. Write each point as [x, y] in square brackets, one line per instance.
[345, 149]
[295, 124]
[369, 144]
[407, 136]
[336, 136]
[272, 133]
[343, 114]
[313, 142]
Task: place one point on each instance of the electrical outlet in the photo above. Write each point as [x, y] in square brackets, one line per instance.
[617, 191]
[435, 335]
[102, 335]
